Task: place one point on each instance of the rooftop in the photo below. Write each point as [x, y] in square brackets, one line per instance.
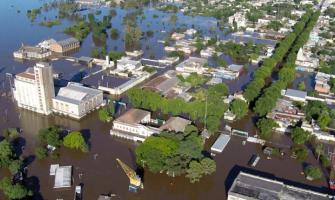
[29, 74]
[176, 124]
[63, 177]
[133, 116]
[249, 186]
[75, 93]
[67, 41]
[296, 93]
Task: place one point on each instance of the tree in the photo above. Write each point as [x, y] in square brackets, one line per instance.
[266, 126]
[132, 37]
[299, 135]
[41, 152]
[75, 140]
[95, 53]
[104, 115]
[194, 172]
[15, 191]
[114, 33]
[195, 79]
[208, 166]
[15, 166]
[239, 108]
[218, 91]
[50, 136]
[300, 151]
[301, 86]
[10, 133]
[313, 172]
[324, 120]
[6, 153]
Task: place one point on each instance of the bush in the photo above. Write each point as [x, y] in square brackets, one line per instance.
[313, 173]
[75, 140]
[41, 153]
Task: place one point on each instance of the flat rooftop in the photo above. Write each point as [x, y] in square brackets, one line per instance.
[133, 116]
[63, 177]
[248, 186]
[102, 79]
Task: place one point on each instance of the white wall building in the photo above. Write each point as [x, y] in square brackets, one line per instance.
[125, 63]
[34, 88]
[192, 65]
[239, 19]
[76, 100]
[130, 125]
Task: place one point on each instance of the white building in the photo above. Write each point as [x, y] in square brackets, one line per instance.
[239, 19]
[192, 65]
[131, 125]
[125, 63]
[76, 100]
[34, 89]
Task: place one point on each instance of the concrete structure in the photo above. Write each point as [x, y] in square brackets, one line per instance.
[232, 72]
[220, 143]
[66, 45]
[63, 177]
[34, 89]
[251, 187]
[305, 61]
[131, 125]
[321, 82]
[76, 100]
[31, 53]
[125, 63]
[192, 65]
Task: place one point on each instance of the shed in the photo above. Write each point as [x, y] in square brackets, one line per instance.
[220, 143]
[85, 60]
[296, 95]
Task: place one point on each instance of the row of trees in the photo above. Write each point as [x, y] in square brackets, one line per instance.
[196, 109]
[10, 160]
[176, 154]
[255, 87]
[287, 73]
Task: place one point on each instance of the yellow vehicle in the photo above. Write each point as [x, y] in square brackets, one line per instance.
[135, 181]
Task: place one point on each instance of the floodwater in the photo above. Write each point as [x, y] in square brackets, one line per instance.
[98, 170]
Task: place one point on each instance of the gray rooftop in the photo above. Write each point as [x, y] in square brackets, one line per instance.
[296, 93]
[133, 116]
[76, 93]
[67, 41]
[220, 143]
[176, 124]
[248, 186]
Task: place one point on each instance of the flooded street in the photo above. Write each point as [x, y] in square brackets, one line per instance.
[98, 169]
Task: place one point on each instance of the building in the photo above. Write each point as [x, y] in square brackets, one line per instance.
[176, 124]
[126, 64]
[238, 18]
[321, 83]
[89, 2]
[177, 36]
[232, 72]
[63, 177]
[305, 61]
[34, 89]
[131, 125]
[192, 65]
[66, 45]
[296, 95]
[31, 53]
[251, 187]
[76, 100]
[220, 143]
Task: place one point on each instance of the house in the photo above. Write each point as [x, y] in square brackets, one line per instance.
[131, 125]
[238, 18]
[232, 72]
[192, 65]
[191, 32]
[76, 100]
[305, 61]
[247, 186]
[135, 54]
[63, 177]
[177, 36]
[126, 64]
[66, 45]
[321, 83]
[208, 52]
[31, 53]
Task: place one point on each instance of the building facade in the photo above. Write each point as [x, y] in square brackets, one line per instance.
[76, 100]
[65, 45]
[34, 88]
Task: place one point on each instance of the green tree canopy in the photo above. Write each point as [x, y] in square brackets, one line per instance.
[313, 172]
[239, 108]
[15, 191]
[266, 126]
[75, 140]
[299, 135]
